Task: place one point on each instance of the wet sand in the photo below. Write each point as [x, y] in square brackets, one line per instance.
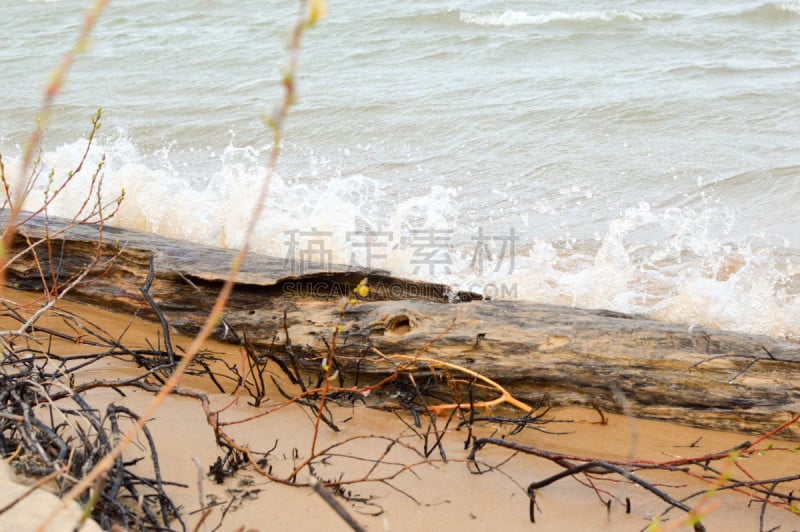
[434, 493]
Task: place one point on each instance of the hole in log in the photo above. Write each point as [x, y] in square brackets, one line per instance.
[399, 325]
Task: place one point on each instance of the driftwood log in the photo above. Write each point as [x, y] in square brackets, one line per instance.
[627, 364]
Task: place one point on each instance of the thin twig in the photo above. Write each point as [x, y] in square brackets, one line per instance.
[331, 501]
[145, 290]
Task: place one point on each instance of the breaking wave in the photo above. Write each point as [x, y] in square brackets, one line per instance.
[675, 262]
[517, 18]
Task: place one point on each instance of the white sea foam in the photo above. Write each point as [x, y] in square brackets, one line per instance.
[676, 263]
[515, 18]
[789, 7]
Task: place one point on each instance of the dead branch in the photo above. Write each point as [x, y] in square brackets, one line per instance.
[331, 501]
[164, 325]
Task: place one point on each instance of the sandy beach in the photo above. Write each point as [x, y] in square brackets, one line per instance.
[387, 482]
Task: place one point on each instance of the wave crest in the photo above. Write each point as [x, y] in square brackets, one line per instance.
[517, 18]
[780, 11]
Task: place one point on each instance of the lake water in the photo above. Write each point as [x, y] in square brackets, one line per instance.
[639, 155]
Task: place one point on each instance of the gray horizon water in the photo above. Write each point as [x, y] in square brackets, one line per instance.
[642, 155]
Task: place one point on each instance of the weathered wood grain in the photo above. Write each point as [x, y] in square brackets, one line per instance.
[696, 376]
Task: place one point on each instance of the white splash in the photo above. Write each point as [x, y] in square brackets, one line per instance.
[675, 263]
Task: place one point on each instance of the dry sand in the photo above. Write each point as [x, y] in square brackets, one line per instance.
[434, 494]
